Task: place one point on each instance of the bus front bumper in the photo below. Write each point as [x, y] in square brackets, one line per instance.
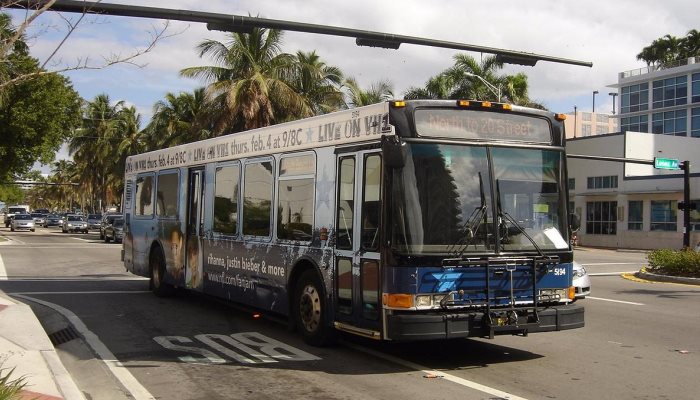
[434, 326]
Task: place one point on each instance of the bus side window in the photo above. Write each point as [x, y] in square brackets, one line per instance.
[346, 200]
[371, 204]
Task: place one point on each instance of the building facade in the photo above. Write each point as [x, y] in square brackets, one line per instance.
[584, 124]
[662, 100]
[624, 205]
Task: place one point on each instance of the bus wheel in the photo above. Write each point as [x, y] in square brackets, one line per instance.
[157, 267]
[310, 315]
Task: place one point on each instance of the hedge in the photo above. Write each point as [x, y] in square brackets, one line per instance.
[675, 262]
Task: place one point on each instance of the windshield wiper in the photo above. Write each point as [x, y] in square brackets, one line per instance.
[504, 215]
[471, 226]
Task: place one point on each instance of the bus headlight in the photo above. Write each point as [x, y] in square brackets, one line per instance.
[423, 300]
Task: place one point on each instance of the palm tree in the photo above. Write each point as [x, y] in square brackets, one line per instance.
[179, 119]
[318, 84]
[358, 97]
[246, 85]
[126, 139]
[437, 87]
[466, 73]
[691, 44]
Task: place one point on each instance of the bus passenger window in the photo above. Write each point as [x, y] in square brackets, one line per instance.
[295, 198]
[257, 199]
[144, 195]
[226, 199]
[166, 205]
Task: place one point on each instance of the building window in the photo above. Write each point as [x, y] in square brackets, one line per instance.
[226, 199]
[695, 216]
[601, 217]
[670, 123]
[670, 92]
[695, 122]
[635, 98]
[696, 88]
[602, 182]
[635, 215]
[295, 199]
[602, 119]
[601, 129]
[586, 130]
[257, 198]
[572, 183]
[664, 214]
[640, 123]
[585, 116]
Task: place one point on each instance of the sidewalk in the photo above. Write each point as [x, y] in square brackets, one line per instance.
[25, 346]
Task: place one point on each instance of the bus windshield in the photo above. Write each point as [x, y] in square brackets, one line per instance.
[442, 200]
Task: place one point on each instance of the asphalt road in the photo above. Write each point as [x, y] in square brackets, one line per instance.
[640, 339]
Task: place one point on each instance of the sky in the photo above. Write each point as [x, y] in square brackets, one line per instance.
[607, 33]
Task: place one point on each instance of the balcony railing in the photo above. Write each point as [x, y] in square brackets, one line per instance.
[652, 68]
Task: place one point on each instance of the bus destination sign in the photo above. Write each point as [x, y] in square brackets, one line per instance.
[468, 124]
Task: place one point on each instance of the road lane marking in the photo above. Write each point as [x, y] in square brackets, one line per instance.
[615, 301]
[3, 271]
[621, 263]
[431, 372]
[612, 273]
[119, 371]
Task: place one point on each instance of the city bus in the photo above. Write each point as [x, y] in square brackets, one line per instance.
[398, 221]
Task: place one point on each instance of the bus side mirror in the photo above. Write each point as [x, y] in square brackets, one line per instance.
[574, 222]
[394, 151]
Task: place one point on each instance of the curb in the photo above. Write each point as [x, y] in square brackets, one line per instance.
[28, 346]
[666, 278]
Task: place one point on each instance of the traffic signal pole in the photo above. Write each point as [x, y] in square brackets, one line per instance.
[685, 166]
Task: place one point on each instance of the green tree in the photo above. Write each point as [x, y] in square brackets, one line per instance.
[317, 83]
[358, 97]
[178, 119]
[36, 116]
[667, 49]
[246, 85]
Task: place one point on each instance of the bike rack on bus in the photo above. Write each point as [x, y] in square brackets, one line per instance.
[502, 318]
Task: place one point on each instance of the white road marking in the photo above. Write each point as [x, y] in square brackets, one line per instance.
[119, 371]
[3, 272]
[614, 263]
[448, 377]
[615, 301]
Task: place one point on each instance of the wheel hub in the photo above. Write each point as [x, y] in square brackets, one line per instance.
[310, 308]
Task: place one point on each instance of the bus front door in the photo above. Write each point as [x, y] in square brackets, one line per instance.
[357, 263]
[195, 227]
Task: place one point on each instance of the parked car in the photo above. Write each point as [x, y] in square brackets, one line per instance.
[107, 220]
[115, 231]
[74, 223]
[53, 220]
[94, 221]
[39, 219]
[582, 282]
[22, 221]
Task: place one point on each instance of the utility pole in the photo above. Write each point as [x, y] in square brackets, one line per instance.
[595, 92]
[613, 94]
[685, 166]
[575, 121]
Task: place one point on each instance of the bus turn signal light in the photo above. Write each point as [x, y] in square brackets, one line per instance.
[399, 103]
[572, 292]
[560, 117]
[397, 300]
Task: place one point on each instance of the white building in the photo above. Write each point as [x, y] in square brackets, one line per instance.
[583, 124]
[625, 205]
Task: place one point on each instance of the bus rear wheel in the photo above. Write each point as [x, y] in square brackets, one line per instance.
[157, 282]
[309, 311]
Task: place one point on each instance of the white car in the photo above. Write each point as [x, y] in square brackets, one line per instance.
[582, 282]
[22, 221]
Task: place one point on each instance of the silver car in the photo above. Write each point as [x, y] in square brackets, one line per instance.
[74, 223]
[39, 219]
[582, 282]
[22, 221]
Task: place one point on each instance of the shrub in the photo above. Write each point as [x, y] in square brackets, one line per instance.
[10, 388]
[675, 262]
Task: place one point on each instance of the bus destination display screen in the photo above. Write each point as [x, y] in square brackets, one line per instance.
[469, 124]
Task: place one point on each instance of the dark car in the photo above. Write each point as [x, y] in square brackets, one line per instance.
[115, 231]
[74, 223]
[94, 221]
[53, 220]
[107, 220]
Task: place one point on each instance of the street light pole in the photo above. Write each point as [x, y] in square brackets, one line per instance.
[575, 121]
[613, 94]
[595, 92]
[495, 90]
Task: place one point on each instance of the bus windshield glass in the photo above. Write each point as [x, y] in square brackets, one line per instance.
[476, 124]
[442, 200]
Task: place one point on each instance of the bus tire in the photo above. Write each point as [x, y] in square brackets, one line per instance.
[309, 311]
[157, 282]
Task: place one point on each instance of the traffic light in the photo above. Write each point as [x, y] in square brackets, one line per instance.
[692, 206]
